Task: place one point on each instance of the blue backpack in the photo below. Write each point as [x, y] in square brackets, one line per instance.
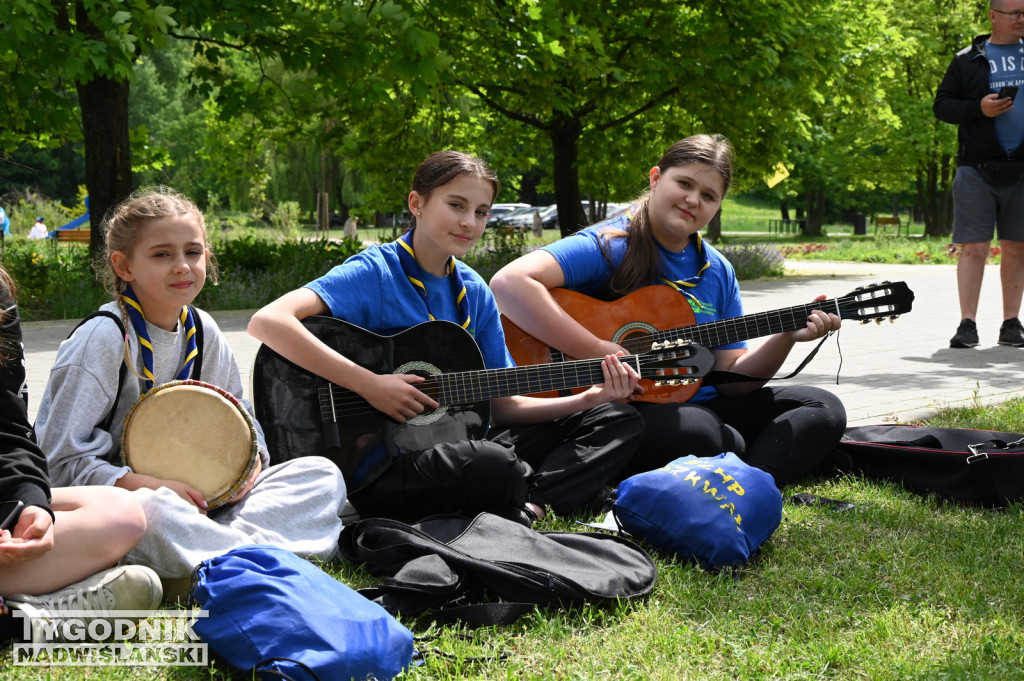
[278, 614]
[716, 511]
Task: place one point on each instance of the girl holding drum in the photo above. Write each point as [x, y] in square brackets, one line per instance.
[156, 262]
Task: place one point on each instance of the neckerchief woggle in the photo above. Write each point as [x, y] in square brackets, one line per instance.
[414, 272]
[138, 320]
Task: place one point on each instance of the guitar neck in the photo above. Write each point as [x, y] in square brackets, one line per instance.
[466, 387]
[735, 329]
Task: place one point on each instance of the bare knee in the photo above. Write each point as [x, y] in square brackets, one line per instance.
[112, 513]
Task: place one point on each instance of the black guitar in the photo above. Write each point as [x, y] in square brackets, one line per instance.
[303, 414]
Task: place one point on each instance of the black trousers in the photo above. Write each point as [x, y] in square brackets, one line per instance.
[574, 457]
[787, 431]
[564, 463]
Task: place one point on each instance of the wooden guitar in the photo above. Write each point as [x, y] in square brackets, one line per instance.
[303, 414]
[653, 313]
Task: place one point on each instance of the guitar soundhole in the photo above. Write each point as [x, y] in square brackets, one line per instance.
[426, 370]
[631, 329]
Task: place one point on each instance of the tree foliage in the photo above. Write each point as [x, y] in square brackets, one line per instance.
[259, 103]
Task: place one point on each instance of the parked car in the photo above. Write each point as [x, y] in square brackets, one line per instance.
[549, 216]
[500, 210]
[521, 218]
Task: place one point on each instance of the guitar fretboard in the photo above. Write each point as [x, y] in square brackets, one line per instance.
[735, 329]
[467, 387]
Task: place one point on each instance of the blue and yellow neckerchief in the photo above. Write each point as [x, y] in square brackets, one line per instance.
[138, 320]
[413, 271]
[682, 284]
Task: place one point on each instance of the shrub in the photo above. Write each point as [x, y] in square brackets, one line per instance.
[496, 248]
[754, 260]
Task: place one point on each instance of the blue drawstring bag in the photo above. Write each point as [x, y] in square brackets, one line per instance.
[274, 612]
[716, 511]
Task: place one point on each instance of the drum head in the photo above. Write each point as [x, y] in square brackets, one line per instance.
[193, 433]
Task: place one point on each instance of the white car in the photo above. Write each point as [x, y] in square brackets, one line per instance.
[500, 210]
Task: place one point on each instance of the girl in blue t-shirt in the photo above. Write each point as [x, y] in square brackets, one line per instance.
[546, 452]
[787, 431]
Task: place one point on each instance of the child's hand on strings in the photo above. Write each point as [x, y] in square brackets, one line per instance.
[396, 396]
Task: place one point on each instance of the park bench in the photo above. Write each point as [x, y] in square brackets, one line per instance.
[887, 223]
[72, 236]
[785, 226]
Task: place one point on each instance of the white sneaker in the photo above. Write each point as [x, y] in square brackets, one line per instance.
[127, 587]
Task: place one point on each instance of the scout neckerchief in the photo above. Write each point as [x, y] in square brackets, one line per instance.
[682, 284]
[138, 320]
[413, 271]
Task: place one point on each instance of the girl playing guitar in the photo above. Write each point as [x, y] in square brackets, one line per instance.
[787, 431]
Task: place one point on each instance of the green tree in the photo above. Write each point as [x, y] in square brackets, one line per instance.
[65, 69]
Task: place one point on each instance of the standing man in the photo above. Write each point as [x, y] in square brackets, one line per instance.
[988, 189]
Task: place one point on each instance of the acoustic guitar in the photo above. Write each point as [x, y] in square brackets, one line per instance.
[302, 414]
[654, 313]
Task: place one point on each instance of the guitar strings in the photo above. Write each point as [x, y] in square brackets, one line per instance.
[476, 386]
[724, 331]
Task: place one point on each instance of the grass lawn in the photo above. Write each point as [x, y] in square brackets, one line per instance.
[902, 587]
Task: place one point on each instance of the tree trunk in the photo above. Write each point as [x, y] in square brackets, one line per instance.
[713, 231]
[108, 162]
[566, 176]
[933, 194]
[814, 222]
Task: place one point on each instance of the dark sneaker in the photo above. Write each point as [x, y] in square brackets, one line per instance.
[1011, 333]
[967, 335]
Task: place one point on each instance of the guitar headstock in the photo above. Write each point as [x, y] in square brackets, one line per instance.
[887, 300]
[675, 362]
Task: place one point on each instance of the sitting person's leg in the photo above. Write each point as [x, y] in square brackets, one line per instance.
[576, 456]
[94, 528]
[789, 431]
[295, 505]
[467, 477]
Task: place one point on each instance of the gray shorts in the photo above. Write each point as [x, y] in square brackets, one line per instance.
[979, 207]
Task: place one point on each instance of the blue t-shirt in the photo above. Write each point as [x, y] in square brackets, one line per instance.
[1006, 67]
[587, 270]
[371, 290]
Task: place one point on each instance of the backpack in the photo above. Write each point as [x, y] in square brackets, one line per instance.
[716, 511]
[450, 565]
[197, 367]
[273, 612]
[984, 467]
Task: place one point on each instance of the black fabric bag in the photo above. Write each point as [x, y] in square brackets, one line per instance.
[451, 565]
[984, 467]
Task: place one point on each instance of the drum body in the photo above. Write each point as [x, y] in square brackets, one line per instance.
[192, 432]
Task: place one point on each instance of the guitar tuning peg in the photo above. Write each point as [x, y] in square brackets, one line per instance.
[864, 321]
[878, 321]
[892, 318]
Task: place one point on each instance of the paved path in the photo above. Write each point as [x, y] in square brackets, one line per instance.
[888, 372]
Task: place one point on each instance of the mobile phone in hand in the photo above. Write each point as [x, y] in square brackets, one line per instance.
[1008, 91]
[9, 511]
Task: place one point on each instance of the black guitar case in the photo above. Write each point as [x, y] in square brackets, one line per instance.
[983, 467]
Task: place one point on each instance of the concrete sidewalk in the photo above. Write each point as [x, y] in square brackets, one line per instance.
[888, 372]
